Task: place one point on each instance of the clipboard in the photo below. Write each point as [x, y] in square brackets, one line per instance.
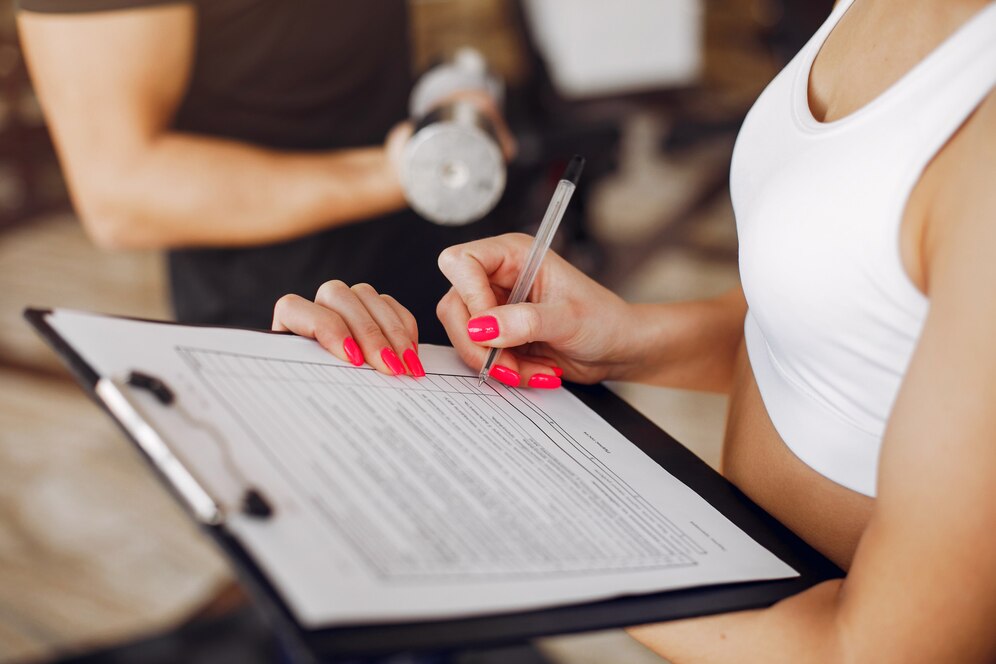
[375, 640]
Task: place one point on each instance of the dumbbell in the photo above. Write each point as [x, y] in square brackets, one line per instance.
[452, 168]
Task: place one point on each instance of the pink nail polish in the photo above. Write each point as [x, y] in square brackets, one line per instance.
[392, 361]
[505, 375]
[544, 381]
[352, 351]
[482, 328]
[557, 371]
[414, 364]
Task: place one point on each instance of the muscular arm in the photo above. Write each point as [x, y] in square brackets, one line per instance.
[110, 84]
[922, 586]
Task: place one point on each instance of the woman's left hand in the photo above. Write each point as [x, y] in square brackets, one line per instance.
[356, 324]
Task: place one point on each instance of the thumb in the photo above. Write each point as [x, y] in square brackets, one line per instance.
[518, 324]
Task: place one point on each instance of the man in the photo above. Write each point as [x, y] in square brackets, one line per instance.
[250, 138]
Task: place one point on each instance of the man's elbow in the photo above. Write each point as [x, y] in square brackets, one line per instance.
[110, 222]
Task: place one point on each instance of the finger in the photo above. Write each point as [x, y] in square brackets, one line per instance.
[293, 313]
[408, 320]
[542, 360]
[513, 370]
[510, 369]
[452, 313]
[513, 325]
[407, 317]
[475, 268]
[538, 375]
[374, 346]
[393, 328]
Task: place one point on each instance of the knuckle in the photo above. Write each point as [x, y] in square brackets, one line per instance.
[368, 328]
[395, 305]
[284, 302]
[395, 331]
[441, 308]
[531, 323]
[331, 290]
[363, 288]
[325, 336]
[449, 257]
[407, 317]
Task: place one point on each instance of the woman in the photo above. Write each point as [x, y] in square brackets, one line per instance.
[858, 355]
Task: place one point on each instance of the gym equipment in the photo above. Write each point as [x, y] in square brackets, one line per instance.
[452, 168]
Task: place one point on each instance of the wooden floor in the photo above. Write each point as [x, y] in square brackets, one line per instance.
[92, 549]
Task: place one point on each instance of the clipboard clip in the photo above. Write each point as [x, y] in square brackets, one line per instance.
[253, 503]
[157, 387]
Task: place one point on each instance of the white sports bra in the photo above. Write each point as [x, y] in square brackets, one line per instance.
[833, 318]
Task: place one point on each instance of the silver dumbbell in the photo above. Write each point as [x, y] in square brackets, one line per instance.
[452, 168]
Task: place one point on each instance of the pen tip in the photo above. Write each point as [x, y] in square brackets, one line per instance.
[480, 381]
[573, 171]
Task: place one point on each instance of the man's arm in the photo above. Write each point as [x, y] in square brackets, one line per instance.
[923, 583]
[110, 83]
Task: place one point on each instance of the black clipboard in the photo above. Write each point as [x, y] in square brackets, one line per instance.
[436, 636]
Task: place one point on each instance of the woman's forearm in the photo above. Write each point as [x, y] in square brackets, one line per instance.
[803, 628]
[691, 345]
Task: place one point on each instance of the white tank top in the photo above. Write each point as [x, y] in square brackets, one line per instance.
[833, 318]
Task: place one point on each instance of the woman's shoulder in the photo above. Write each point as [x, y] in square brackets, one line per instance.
[961, 206]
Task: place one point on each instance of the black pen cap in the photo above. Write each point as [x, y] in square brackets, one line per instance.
[573, 171]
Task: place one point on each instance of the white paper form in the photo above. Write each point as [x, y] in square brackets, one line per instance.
[403, 499]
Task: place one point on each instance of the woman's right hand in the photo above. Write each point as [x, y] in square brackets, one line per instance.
[569, 324]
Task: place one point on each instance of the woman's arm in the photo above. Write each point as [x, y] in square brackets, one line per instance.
[110, 83]
[691, 345]
[579, 325]
[923, 583]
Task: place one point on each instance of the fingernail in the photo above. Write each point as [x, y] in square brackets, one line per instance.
[482, 328]
[505, 375]
[391, 360]
[414, 364]
[558, 371]
[352, 351]
[544, 381]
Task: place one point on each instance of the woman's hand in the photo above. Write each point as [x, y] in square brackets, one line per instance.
[571, 325]
[355, 324]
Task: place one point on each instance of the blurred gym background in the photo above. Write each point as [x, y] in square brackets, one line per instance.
[96, 562]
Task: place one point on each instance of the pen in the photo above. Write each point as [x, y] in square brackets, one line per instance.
[544, 236]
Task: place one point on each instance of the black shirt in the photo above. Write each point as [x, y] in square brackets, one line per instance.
[301, 75]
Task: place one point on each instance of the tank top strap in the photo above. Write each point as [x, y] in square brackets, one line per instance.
[948, 85]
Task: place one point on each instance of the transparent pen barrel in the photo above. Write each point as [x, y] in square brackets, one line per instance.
[541, 244]
[544, 236]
